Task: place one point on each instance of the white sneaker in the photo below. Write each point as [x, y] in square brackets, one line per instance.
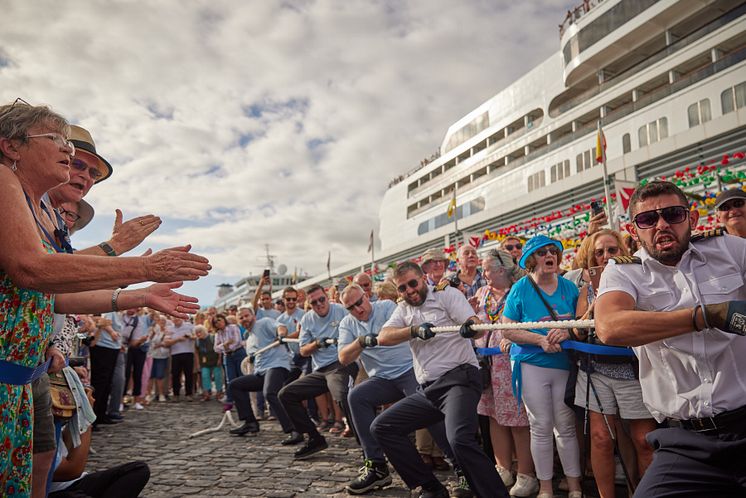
[525, 485]
[505, 475]
[121, 407]
[162, 398]
[138, 406]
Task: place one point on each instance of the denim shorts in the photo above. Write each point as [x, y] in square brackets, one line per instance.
[158, 370]
[44, 437]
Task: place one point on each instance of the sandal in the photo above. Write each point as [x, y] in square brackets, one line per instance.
[337, 428]
[427, 459]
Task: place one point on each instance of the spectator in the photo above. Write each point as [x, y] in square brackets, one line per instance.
[209, 364]
[366, 283]
[514, 246]
[135, 333]
[180, 339]
[386, 290]
[468, 272]
[731, 211]
[262, 301]
[105, 350]
[541, 378]
[280, 306]
[230, 344]
[434, 264]
[160, 353]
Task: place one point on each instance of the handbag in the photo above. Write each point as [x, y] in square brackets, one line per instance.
[63, 402]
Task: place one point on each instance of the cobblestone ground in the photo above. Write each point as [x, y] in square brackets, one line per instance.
[219, 464]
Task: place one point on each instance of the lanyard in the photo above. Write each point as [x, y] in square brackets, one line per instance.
[59, 234]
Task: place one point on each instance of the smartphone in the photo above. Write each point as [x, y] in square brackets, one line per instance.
[265, 274]
[596, 208]
[595, 273]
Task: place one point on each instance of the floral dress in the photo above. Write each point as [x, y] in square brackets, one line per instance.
[25, 330]
[497, 401]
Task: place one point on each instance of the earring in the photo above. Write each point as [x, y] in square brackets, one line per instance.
[13, 166]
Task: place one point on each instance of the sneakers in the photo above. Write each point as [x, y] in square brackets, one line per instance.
[162, 398]
[373, 475]
[139, 406]
[439, 463]
[505, 475]
[312, 446]
[462, 489]
[293, 438]
[438, 492]
[247, 427]
[525, 485]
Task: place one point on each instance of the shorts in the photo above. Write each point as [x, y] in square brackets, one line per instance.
[622, 397]
[158, 370]
[44, 436]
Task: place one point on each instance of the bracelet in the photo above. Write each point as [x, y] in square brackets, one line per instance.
[114, 297]
[107, 249]
[694, 319]
[704, 316]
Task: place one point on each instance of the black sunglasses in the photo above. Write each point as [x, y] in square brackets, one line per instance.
[357, 303]
[510, 247]
[544, 250]
[414, 283]
[727, 206]
[319, 301]
[672, 215]
[290, 298]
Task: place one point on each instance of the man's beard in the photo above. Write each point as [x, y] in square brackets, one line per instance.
[421, 292]
[672, 256]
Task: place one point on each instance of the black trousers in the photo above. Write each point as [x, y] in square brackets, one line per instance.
[122, 481]
[452, 398]
[103, 361]
[182, 363]
[270, 383]
[334, 379]
[689, 465]
[135, 362]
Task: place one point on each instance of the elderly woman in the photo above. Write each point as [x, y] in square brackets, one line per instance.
[540, 378]
[613, 380]
[38, 278]
[508, 426]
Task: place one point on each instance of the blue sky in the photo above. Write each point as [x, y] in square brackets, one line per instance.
[263, 122]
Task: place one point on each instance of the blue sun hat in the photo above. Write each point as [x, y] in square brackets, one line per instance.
[535, 243]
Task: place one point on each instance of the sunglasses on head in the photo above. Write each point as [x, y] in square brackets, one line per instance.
[727, 206]
[319, 301]
[672, 215]
[510, 247]
[414, 283]
[544, 250]
[354, 305]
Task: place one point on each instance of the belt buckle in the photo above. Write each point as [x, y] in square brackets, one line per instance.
[704, 424]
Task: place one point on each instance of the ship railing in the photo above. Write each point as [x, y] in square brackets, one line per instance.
[576, 13]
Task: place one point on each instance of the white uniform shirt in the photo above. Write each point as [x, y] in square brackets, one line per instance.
[444, 352]
[699, 374]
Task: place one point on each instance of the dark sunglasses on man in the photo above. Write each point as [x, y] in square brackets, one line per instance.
[672, 215]
[510, 247]
[735, 203]
[411, 284]
[356, 304]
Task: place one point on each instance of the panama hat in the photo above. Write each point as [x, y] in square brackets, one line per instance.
[81, 138]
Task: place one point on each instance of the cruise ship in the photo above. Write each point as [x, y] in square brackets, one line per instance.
[666, 81]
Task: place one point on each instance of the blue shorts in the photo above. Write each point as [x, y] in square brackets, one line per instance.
[158, 370]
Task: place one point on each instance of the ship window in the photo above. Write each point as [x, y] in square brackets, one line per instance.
[537, 180]
[626, 144]
[653, 132]
[587, 156]
[462, 211]
[699, 112]
[733, 98]
[726, 101]
[642, 135]
[579, 163]
[560, 171]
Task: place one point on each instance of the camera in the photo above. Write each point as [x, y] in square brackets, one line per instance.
[454, 280]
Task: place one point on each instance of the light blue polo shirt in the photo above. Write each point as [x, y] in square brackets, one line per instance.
[104, 339]
[385, 362]
[262, 313]
[264, 333]
[291, 322]
[313, 326]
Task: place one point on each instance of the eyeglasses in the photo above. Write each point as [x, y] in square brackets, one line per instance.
[414, 283]
[727, 206]
[613, 250]
[319, 301]
[70, 216]
[61, 141]
[510, 247]
[357, 303]
[290, 298]
[544, 250]
[672, 215]
[93, 171]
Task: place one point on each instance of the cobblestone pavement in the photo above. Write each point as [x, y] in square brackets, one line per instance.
[219, 464]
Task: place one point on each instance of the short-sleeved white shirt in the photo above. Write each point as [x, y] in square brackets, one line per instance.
[699, 374]
[444, 352]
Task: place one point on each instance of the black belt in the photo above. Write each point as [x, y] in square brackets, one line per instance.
[234, 351]
[730, 421]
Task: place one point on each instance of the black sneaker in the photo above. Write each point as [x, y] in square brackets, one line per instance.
[247, 427]
[312, 446]
[373, 475]
[462, 489]
[439, 492]
[293, 438]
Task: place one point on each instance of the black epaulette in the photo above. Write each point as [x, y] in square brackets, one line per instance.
[626, 260]
[708, 234]
[441, 286]
[399, 300]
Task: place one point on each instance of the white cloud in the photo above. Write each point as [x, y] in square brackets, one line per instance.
[266, 122]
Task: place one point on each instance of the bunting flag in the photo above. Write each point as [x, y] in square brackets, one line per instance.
[600, 146]
[370, 244]
[452, 205]
[624, 191]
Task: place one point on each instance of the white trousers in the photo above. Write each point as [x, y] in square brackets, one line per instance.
[543, 395]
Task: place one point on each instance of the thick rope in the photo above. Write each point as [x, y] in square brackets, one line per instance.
[560, 324]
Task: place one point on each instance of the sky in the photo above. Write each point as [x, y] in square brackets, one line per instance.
[245, 123]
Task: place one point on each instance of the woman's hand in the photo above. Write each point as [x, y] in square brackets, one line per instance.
[161, 297]
[547, 346]
[555, 336]
[505, 346]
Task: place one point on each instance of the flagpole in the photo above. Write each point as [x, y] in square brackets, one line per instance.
[612, 221]
[372, 253]
[455, 217]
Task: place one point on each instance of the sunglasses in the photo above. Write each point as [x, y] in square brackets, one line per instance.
[672, 215]
[727, 206]
[510, 247]
[413, 284]
[319, 301]
[544, 250]
[92, 170]
[354, 305]
[291, 299]
[599, 253]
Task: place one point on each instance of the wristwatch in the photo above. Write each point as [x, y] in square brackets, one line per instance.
[107, 249]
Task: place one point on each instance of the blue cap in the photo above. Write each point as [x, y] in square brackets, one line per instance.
[535, 243]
